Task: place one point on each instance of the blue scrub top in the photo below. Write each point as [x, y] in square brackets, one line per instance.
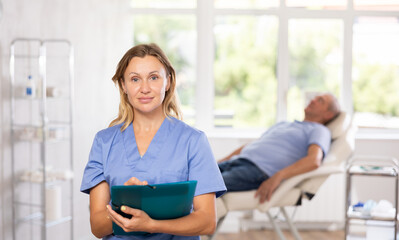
[177, 152]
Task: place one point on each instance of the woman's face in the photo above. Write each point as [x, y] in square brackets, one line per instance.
[145, 84]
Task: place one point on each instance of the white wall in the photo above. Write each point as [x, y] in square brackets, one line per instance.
[101, 32]
[375, 188]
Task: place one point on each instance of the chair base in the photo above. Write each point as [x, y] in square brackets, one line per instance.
[280, 234]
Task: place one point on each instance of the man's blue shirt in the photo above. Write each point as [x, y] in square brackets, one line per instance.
[285, 143]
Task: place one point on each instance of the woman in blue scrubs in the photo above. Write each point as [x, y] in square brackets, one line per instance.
[148, 144]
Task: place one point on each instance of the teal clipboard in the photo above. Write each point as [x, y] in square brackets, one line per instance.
[159, 201]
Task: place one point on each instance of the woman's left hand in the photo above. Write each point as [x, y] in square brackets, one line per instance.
[135, 181]
[140, 221]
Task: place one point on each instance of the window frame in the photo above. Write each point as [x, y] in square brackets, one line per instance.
[206, 14]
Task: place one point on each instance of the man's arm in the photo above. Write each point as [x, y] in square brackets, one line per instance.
[235, 152]
[306, 164]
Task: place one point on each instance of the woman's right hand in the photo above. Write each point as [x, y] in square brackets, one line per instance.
[139, 221]
[135, 181]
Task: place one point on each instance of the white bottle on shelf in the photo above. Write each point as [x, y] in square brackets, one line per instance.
[30, 90]
[53, 92]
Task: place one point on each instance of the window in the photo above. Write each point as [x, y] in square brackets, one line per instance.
[317, 4]
[245, 4]
[176, 35]
[315, 64]
[244, 71]
[246, 64]
[384, 5]
[179, 4]
[376, 72]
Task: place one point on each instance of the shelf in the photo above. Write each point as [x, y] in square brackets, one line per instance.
[52, 176]
[37, 218]
[372, 223]
[55, 132]
[50, 124]
[371, 166]
[62, 220]
[360, 216]
[31, 217]
[41, 136]
[373, 171]
[40, 99]
[28, 204]
[48, 183]
[26, 56]
[47, 141]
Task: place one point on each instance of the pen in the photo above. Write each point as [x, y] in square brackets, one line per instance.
[152, 187]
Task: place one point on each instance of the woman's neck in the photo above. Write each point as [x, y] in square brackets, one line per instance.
[147, 122]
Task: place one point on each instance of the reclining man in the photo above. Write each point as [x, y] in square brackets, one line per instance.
[283, 151]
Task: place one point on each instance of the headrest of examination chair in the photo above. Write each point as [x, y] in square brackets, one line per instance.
[339, 125]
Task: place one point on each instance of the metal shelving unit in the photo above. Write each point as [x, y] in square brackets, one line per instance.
[41, 73]
[364, 166]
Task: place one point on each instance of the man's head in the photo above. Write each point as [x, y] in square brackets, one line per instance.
[322, 109]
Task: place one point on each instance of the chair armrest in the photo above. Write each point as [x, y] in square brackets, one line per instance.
[286, 194]
[295, 183]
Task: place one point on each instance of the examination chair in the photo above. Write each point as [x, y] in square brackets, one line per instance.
[293, 190]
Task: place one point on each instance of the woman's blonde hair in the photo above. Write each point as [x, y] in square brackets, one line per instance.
[170, 105]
